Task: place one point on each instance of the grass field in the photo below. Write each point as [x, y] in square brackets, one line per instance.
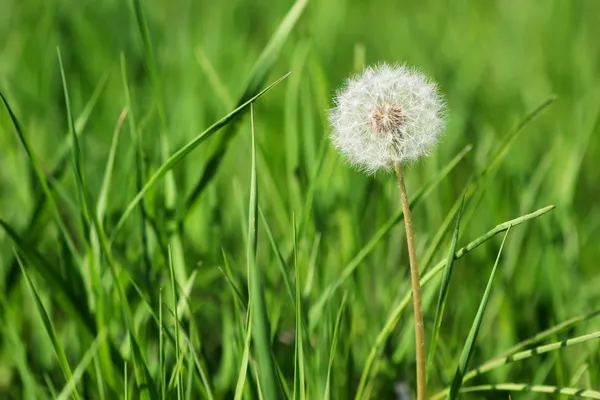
[151, 196]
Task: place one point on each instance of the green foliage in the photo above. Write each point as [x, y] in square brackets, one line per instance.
[132, 182]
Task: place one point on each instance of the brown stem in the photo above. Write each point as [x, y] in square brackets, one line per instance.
[416, 289]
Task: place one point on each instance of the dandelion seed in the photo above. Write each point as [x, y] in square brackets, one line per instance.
[386, 115]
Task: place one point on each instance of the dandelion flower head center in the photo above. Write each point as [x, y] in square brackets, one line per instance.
[387, 119]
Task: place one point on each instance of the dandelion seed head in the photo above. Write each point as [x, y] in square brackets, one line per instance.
[386, 114]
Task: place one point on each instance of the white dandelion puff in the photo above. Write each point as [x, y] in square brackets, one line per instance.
[386, 115]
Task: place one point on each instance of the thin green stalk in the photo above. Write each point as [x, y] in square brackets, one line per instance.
[421, 358]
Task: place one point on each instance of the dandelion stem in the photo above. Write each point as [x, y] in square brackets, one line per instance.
[416, 289]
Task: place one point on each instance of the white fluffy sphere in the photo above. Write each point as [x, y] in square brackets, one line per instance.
[385, 115]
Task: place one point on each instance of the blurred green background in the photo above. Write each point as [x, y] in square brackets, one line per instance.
[494, 61]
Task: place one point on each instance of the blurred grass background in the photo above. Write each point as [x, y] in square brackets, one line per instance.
[494, 61]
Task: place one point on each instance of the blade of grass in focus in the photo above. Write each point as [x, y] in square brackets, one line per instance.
[439, 313]
[266, 370]
[470, 343]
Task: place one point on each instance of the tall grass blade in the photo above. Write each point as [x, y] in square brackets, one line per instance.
[241, 381]
[490, 365]
[266, 370]
[550, 332]
[526, 387]
[439, 313]
[470, 343]
[299, 373]
[177, 345]
[76, 153]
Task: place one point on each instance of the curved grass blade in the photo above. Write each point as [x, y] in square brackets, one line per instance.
[71, 385]
[470, 343]
[444, 288]
[525, 387]
[550, 332]
[317, 310]
[58, 349]
[184, 151]
[394, 317]
[490, 365]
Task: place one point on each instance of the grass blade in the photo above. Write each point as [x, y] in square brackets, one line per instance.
[394, 317]
[57, 346]
[177, 346]
[185, 150]
[526, 387]
[266, 370]
[444, 289]
[75, 151]
[490, 365]
[550, 332]
[470, 343]
[299, 374]
[241, 381]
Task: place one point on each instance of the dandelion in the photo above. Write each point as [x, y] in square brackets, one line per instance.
[384, 117]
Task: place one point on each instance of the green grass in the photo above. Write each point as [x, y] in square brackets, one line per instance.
[157, 242]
